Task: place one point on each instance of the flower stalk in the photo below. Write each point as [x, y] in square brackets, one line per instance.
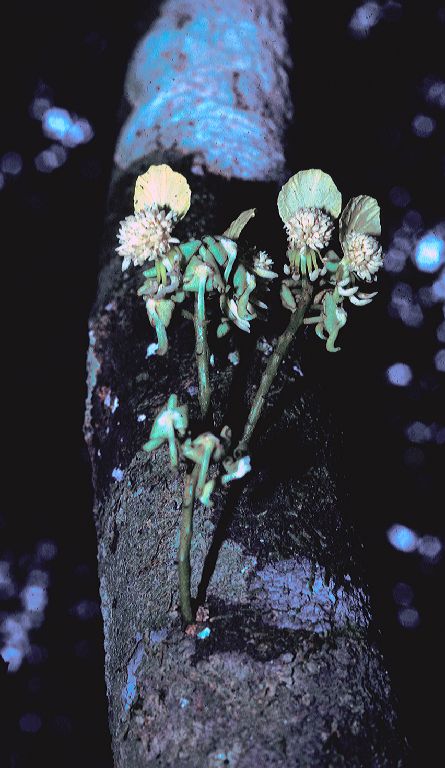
[201, 347]
[273, 365]
[185, 539]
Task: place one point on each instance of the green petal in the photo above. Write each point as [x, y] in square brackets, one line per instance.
[309, 189]
[150, 272]
[240, 280]
[189, 248]
[164, 309]
[287, 298]
[237, 226]
[331, 261]
[361, 215]
[222, 329]
[192, 276]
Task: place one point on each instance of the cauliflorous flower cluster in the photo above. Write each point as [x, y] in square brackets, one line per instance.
[161, 198]
[308, 204]
[175, 270]
[309, 227]
[364, 254]
[146, 235]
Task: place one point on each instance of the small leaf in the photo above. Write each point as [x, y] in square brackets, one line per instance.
[309, 189]
[361, 215]
[237, 226]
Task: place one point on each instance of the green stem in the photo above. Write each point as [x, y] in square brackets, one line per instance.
[203, 469]
[202, 348]
[273, 364]
[185, 539]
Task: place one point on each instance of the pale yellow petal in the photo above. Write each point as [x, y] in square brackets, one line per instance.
[165, 187]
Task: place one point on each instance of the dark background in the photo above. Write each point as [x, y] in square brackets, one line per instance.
[356, 98]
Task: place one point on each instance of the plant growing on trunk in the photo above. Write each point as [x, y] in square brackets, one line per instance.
[318, 282]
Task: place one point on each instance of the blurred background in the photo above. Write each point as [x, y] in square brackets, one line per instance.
[369, 92]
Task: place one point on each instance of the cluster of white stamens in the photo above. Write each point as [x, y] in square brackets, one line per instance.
[146, 235]
[262, 265]
[310, 227]
[364, 255]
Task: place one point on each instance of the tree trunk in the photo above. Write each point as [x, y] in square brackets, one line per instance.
[290, 674]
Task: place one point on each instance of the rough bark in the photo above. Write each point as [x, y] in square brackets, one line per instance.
[290, 674]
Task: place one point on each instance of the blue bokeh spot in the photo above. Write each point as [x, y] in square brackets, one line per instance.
[399, 374]
[402, 538]
[430, 253]
[56, 123]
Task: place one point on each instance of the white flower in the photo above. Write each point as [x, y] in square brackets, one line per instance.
[146, 235]
[262, 265]
[309, 227]
[364, 255]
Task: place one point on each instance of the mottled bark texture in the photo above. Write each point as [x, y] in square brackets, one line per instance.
[210, 80]
[290, 674]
